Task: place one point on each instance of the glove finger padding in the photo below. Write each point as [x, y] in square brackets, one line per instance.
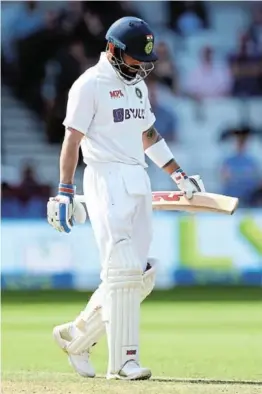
[60, 213]
[64, 213]
[51, 214]
[79, 213]
[199, 182]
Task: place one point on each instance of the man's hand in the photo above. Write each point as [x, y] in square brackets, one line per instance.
[62, 210]
[188, 185]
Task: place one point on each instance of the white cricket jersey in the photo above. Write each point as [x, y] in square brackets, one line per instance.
[111, 115]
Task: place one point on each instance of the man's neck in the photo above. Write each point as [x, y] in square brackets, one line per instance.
[109, 56]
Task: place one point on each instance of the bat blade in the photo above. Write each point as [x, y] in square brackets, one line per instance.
[201, 202]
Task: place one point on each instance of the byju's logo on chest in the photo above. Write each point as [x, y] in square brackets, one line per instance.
[121, 114]
[115, 94]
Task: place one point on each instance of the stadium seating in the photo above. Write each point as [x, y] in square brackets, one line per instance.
[199, 125]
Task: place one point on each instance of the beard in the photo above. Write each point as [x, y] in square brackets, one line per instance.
[129, 72]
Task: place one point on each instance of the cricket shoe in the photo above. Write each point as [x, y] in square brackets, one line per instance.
[80, 362]
[131, 371]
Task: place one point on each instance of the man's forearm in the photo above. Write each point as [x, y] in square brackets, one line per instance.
[152, 137]
[171, 166]
[68, 161]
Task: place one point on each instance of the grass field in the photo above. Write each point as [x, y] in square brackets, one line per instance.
[195, 341]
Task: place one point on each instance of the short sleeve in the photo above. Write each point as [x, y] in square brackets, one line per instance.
[149, 115]
[80, 109]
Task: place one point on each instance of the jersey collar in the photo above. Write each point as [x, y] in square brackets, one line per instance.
[106, 66]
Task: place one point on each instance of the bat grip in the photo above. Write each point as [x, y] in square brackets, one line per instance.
[80, 198]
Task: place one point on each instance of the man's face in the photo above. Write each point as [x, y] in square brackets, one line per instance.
[129, 68]
[135, 64]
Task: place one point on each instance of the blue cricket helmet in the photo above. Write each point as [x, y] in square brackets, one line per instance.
[134, 37]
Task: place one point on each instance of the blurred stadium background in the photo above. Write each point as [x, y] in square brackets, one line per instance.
[206, 92]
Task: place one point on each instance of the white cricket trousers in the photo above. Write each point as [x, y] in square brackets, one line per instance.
[119, 203]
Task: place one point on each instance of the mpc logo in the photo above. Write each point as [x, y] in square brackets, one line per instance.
[121, 114]
[116, 94]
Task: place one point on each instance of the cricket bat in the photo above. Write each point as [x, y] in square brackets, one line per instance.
[201, 202]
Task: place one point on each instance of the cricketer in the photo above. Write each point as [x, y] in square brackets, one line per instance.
[109, 116]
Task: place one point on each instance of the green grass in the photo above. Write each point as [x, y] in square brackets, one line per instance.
[197, 334]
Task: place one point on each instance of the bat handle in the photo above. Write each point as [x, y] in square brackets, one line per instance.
[80, 198]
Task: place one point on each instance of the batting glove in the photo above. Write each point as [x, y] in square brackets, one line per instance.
[63, 211]
[189, 185]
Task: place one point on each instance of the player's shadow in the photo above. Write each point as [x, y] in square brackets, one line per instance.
[208, 381]
[200, 381]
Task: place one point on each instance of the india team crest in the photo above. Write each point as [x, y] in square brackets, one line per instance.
[149, 47]
[138, 93]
